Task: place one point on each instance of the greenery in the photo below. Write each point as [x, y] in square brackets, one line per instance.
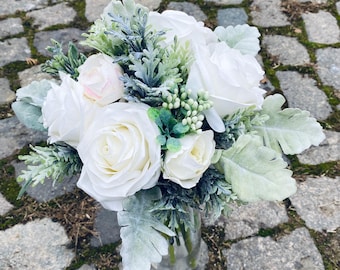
[54, 162]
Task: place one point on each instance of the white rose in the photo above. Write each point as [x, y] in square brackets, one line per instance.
[232, 79]
[66, 112]
[186, 166]
[101, 79]
[180, 24]
[120, 154]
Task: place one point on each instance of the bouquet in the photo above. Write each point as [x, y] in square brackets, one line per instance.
[165, 117]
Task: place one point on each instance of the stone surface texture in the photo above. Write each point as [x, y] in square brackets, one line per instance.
[15, 49]
[247, 220]
[57, 14]
[268, 13]
[231, 16]
[6, 94]
[301, 92]
[10, 26]
[5, 206]
[317, 202]
[328, 66]
[321, 27]
[327, 151]
[287, 253]
[287, 50]
[189, 8]
[38, 245]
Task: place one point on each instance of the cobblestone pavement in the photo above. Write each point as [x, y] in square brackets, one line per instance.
[301, 56]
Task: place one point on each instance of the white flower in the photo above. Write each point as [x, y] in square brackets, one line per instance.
[232, 79]
[120, 154]
[186, 166]
[66, 112]
[244, 38]
[180, 24]
[101, 79]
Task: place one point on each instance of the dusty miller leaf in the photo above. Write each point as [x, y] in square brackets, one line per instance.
[256, 172]
[290, 130]
[141, 233]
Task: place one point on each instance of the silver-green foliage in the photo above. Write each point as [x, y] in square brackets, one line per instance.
[30, 99]
[256, 172]
[67, 63]
[54, 161]
[290, 130]
[143, 235]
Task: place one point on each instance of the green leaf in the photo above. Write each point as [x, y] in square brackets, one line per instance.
[153, 113]
[173, 144]
[290, 130]
[141, 233]
[165, 116]
[161, 139]
[256, 172]
[179, 129]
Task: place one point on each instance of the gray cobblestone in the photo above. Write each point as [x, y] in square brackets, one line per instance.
[231, 16]
[321, 27]
[301, 92]
[247, 220]
[15, 49]
[5, 206]
[286, 50]
[33, 74]
[43, 39]
[6, 94]
[57, 14]
[225, 2]
[268, 13]
[38, 245]
[328, 66]
[21, 5]
[328, 150]
[317, 202]
[14, 136]
[293, 251]
[10, 27]
[189, 8]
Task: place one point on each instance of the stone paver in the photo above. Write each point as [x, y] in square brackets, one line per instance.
[231, 16]
[107, 227]
[225, 2]
[328, 66]
[10, 26]
[33, 74]
[38, 245]
[15, 49]
[317, 202]
[293, 251]
[27, 5]
[6, 94]
[268, 13]
[287, 50]
[189, 8]
[5, 206]
[57, 14]
[301, 92]
[64, 36]
[14, 136]
[321, 27]
[247, 220]
[328, 150]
